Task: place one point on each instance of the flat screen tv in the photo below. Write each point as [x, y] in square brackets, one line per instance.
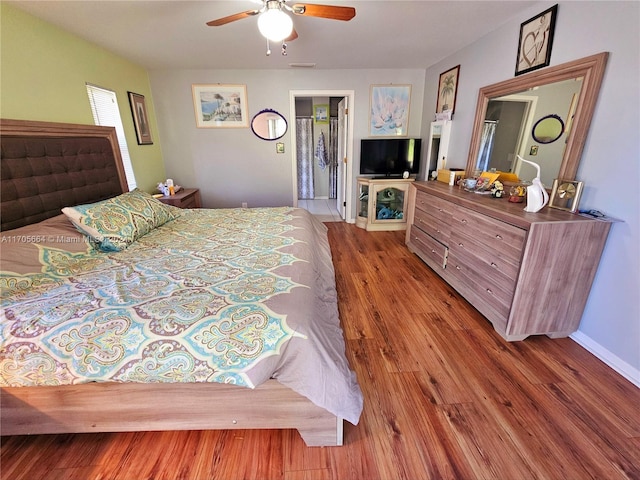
[389, 157]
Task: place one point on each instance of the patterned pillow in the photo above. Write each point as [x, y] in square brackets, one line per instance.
[116, 223]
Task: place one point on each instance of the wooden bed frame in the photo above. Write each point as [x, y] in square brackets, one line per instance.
[125, 407]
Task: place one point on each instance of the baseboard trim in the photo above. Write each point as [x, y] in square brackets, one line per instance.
[623, 368]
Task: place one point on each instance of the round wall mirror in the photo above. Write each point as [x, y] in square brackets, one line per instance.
[269, 125]
[548, 129]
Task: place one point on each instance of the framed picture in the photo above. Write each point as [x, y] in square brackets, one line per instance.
[536, 38]
[448, 90]
[389, 110]
[220, 106]
[565, 194]
[140, 118]
[321, 114]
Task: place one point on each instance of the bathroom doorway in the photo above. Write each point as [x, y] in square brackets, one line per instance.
[321, 153]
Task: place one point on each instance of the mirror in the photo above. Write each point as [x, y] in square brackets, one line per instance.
[548, 129]
[269, 125]
[566, 160]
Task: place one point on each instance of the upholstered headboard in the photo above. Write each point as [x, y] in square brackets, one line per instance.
[47, 166]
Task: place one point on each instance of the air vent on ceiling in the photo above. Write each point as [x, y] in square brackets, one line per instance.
[302, 65]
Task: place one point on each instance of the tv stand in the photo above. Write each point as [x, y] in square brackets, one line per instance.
[382, 203]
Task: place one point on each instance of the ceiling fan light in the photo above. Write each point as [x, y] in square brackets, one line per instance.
[275, 25]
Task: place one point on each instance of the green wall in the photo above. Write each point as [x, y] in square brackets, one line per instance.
[43, 72]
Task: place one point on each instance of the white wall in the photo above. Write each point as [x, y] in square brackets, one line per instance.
[232, 165]
[610, 162]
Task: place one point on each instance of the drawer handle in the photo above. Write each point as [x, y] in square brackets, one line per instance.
[489, 291]
[440, 210]
[464, 221]
[457, 267]
[499, 237]
[494, 265]
[461, 245]
[433, 251]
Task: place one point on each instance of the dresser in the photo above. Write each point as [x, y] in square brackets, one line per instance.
[185, 198]
[527, 273]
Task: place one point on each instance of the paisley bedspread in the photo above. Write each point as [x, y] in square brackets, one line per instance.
[230, 295]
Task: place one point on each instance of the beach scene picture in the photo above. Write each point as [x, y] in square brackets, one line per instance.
[220, 106]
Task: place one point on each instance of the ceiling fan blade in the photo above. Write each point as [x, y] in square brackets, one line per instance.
[292, 37]
[232, 18]
[324, 11]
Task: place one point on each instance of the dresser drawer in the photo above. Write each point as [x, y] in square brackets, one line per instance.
[434, 206]
[497, 280]
[485, 257]
[189, 202]
[431, 225]
[492, 298]
[496, 235]
[427, 246]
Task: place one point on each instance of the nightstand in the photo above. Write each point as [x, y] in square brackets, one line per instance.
[185, 198]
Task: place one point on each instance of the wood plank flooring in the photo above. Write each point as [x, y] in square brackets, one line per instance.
[445, 397]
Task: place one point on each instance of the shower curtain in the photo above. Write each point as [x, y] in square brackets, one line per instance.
[304, 156]
[486, 144]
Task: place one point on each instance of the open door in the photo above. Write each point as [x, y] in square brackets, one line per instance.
[343, 138]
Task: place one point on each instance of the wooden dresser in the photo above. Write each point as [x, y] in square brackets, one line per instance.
[528, 273]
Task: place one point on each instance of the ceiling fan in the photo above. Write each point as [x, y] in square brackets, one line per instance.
[276, 25]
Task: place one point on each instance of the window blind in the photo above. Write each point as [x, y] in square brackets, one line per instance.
[104, 106]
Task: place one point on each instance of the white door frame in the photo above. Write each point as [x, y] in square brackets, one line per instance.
[341, 168]
[526, 126]
[292, 123]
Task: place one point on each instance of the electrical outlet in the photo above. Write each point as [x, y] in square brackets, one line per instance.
[244, 204]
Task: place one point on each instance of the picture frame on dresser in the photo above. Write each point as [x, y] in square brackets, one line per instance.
[565, 194]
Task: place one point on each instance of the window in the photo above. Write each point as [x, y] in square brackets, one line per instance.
[104, 106]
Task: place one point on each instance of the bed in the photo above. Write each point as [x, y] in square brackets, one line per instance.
[188, 319]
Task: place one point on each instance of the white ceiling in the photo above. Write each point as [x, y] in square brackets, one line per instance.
[383, 34]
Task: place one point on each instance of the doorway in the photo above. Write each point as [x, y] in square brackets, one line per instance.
[333, 201]
[512, 116]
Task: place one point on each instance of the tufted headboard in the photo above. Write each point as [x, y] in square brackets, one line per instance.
[47, 166]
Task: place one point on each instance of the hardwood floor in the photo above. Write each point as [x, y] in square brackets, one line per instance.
[445, 397]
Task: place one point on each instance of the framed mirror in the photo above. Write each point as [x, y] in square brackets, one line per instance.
[269, 125]
[589, 70]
